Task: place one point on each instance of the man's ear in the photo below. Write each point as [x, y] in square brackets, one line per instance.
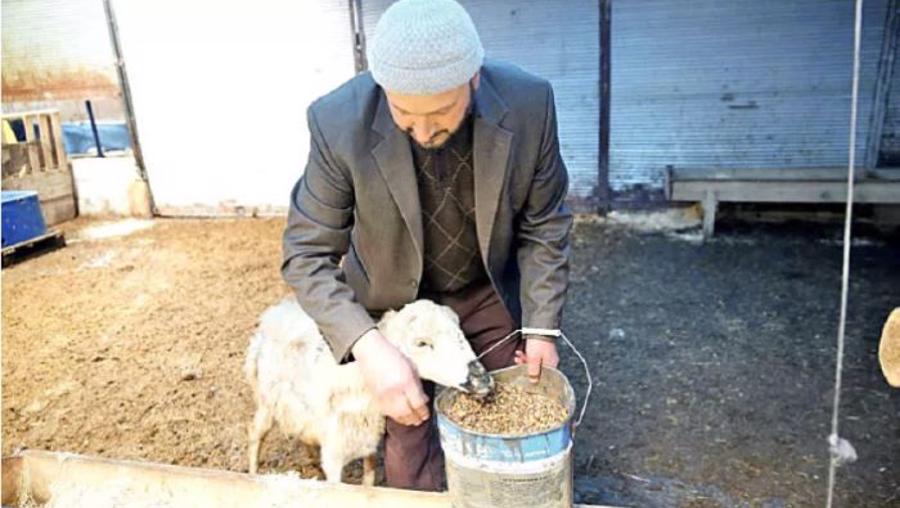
[475, 81]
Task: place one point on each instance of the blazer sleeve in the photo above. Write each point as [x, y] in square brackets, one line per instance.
[315, 239]
[543, 233]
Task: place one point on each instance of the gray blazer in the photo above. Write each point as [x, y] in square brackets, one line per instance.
[358, 200]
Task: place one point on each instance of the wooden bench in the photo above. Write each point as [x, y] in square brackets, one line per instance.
[814, 185]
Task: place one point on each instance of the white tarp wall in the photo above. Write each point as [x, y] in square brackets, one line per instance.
[220, 92]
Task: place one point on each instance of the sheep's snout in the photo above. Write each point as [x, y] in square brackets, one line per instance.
[478, 381]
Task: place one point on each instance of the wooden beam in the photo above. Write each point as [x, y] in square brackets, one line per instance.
[23, 114]
[768, 174]
[33, 159]
[34, 472]
[62, 160]
[786, 191]
[46, 142]
[757, 174]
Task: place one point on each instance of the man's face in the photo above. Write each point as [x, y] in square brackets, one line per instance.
[430, 120]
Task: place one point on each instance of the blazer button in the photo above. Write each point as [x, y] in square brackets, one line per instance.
[414, 284]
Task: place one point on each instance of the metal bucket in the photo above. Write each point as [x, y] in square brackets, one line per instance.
[501, 471]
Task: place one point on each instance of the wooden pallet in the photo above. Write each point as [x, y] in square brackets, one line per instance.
[53, 239]
[40, 163]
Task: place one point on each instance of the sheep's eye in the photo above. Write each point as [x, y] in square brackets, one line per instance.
[423, 343]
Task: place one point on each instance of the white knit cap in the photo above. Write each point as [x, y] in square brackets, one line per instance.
[424, 47]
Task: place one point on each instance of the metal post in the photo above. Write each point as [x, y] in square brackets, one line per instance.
[886, 68]
[604, 195]
[90, 112]
[359, 36]
[126, 89]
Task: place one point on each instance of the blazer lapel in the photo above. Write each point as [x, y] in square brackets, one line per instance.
[394, 159]
[490, 156]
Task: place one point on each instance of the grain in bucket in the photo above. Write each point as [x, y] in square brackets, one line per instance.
[507, 469]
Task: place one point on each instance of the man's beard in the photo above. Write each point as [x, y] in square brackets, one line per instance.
[433, 143]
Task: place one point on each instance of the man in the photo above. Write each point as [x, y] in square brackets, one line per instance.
[437, 176]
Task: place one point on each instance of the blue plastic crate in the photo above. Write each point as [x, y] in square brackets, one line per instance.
[22, 217]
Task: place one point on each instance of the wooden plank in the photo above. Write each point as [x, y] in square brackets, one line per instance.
[50, 185]
[46, 143]
[34, 471]
[33, 164]
[757, 174]
[22, 114]
[865, 191]
[59, 148]
[766, 174]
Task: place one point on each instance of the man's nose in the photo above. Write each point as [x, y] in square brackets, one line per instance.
[423, 131]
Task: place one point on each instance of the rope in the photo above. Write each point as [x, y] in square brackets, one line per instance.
[840, 449]
[553, 333]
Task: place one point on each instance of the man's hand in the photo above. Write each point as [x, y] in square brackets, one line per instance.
[537, 352]
[391, 378]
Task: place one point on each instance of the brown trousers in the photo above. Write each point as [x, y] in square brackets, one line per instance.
[413, 458]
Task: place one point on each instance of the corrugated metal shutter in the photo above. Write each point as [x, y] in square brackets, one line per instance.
[553, 40]
[889, 153]
[736, 84]
[56, 51]
[220, 96]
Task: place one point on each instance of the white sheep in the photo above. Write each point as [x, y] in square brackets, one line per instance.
[298, 384]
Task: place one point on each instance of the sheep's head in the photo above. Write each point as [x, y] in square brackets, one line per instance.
[430, 336]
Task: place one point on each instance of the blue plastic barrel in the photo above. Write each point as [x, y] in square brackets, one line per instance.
[22, 217]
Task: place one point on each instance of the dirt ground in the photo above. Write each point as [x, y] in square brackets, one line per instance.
[713, 363]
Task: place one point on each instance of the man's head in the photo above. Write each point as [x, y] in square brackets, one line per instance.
[426, 54]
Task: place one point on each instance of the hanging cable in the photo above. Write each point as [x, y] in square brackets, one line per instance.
[840, 450]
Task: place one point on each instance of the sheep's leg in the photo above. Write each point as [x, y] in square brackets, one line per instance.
[332, 458]
[369, 463]
[262, 422]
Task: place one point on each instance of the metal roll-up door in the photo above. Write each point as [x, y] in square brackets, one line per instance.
[735, 84]
[557, 41]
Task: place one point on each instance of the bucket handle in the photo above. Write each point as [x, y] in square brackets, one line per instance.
[553, 333]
